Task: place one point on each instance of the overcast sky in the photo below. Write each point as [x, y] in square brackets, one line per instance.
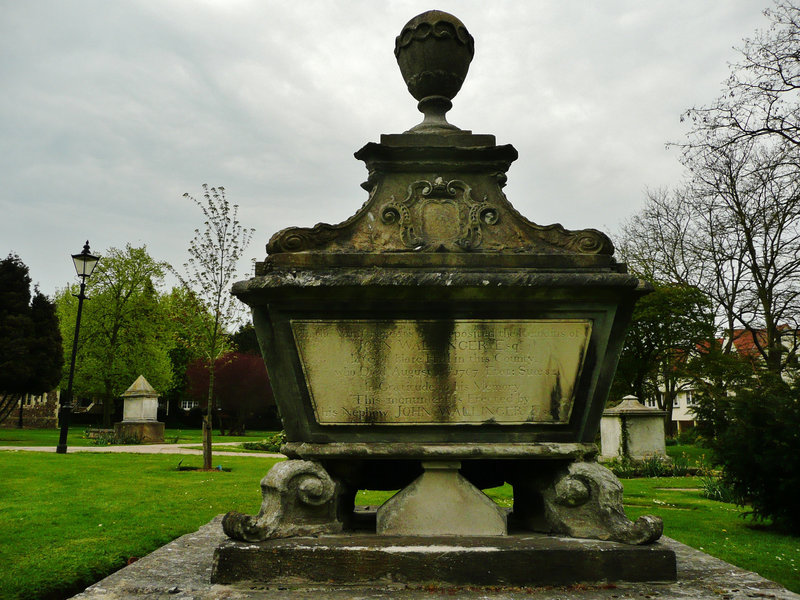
[110, 111]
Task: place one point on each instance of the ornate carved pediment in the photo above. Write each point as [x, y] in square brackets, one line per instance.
[439, 216]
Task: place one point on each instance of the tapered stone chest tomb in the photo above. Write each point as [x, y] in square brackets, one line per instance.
[439, 343]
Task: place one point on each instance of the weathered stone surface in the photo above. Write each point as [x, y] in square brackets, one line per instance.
[182, 570]
[583, 500]
[299, 498]
[139, 413]
[455, 371]
[421, 319]
[284, 298]
[632, 429]
[517, 560]
[433, 51]
[140, 401]
[421, 450]
[440, 502]
[147, 431]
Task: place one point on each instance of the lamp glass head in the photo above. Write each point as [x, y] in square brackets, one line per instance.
[85, 262]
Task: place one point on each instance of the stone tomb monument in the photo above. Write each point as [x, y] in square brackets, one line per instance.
[439, 343]
[140, 413]
[631, 429]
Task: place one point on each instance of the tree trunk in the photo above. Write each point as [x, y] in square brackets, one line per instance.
[207, 420]
[669, 402]
[108, 409]
[207, 459]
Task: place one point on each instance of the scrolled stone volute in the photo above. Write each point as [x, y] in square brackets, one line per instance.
[299, 498]
[434, 51]
[585, 501]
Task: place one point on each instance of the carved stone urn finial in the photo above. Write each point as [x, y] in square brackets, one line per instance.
[434, 50]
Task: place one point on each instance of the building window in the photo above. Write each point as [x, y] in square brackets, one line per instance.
[189, 404]
[691, 400]
[651, 402]
[675, 402]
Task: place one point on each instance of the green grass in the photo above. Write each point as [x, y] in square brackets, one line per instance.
[41, 437]
[715, 527]
[195, 436]
[69, 520]
[49, 437]
[697, 456]
[237, 449]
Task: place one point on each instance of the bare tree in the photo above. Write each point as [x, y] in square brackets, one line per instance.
[209, 273]
[734, 232]
[762, 95]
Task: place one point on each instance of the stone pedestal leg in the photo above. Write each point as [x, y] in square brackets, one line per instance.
[440, 502]
[300, 498]
[582, 500]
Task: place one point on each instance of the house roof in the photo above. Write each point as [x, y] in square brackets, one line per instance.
[745, 340]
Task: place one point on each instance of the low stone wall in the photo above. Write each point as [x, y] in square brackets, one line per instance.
[38, 412]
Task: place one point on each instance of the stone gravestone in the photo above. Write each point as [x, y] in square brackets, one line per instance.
[631, 429]
[439, 343]
[140, 413]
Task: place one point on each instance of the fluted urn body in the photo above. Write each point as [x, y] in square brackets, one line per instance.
[434, 51]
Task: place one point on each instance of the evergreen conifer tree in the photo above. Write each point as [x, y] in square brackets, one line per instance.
[31, 357]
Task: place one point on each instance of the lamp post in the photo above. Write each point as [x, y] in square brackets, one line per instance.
[84, 265]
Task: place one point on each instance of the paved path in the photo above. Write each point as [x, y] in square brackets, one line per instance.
[148, 449]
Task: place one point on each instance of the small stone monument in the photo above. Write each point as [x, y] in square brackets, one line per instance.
[439, 343]
[140, 413]
[631, 429]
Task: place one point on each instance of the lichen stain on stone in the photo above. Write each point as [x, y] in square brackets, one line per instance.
[438, 339]
[370, 345]
[556, 398]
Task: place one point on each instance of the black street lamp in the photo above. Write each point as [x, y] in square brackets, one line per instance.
[84, 265]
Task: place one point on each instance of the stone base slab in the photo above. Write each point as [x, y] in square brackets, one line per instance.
[181, 571]
[516, 560]
[148, 431]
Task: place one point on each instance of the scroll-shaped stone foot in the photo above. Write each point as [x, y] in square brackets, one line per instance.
[299, 499]
[584, 501]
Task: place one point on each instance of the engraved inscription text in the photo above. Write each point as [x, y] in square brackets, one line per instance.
[451, 372]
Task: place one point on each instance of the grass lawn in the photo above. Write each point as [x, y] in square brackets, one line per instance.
[69, 520]
[49, 437]
[715, 527]
[697, 456]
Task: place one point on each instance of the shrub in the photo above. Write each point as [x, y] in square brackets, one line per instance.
[715, 488]
[757, 445]
[650, 466]
[680, 465]
[656, 466]
[271, 444]
[109, 438]
[623, 467]
[688, 437]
